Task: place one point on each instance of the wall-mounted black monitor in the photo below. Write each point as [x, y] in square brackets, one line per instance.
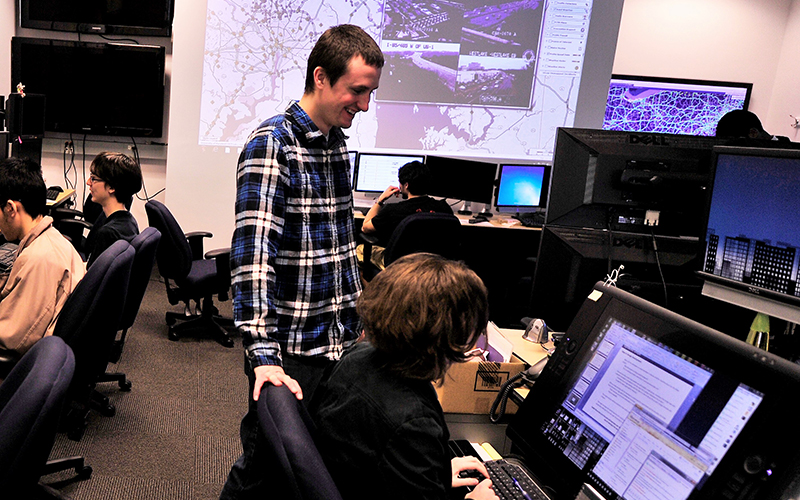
[377, 171]
[93, 88]
[120, 17]
[671, 105]
[522, 188]
[606, 179]
[459, 179]
[753, 237]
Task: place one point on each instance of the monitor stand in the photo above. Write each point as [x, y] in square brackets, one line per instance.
[465, 209]
[487, 210]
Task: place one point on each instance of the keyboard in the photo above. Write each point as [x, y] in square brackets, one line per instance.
[510, 481]
[530, 219]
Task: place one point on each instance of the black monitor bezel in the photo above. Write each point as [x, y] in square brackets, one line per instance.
[747, 295]
[776, 378]
[411, 157]
[748, 87]
[26, 21]
[157, 76]
[445, 168]
[543, 197]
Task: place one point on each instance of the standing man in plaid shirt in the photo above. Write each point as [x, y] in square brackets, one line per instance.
[295, 277]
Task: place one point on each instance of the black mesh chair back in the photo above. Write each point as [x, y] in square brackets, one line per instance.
[88, 324]
[174, 254]
[425, 232]
[145, 246]
[31, 398]
[294, 456]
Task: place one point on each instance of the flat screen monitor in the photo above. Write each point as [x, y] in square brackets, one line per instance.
[377, 171]
[522, 188]
[671, 105]
[120, 17]
[126, 96]
[459, 179]
[638, 402]
[631, 181]
[753, 235]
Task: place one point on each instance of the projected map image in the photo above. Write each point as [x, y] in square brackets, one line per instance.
[484, 79]
[643, 109]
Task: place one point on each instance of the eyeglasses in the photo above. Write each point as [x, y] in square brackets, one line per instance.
[94, 179]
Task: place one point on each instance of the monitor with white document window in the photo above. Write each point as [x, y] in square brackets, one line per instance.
[374, 172]
[638, 402]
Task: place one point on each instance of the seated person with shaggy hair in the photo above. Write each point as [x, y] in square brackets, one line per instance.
[114, 179]
[381, 428]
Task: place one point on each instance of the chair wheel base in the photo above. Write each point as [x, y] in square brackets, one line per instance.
[108, 410]
[84, 472]
[225, 341]
[125, 385]
[173, 336]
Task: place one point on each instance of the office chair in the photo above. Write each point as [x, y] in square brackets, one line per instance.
[76, 224]
[145, 245]
[88, 324]
[31, 399]
[421, 232]
[292, 453]
[189, 276]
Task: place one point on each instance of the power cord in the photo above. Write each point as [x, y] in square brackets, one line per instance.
[527, 377]
[660, 271]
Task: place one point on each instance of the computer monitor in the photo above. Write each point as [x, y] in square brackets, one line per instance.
[638, 402]
[753, 234]
[353, 157]
[460, 179]
[522, 188]
[659, 268]
[671, 105]
[630, 181]
[377, 171]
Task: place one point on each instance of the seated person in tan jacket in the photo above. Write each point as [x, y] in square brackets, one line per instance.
[46, 269]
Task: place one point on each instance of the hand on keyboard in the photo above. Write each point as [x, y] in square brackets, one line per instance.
[467, 471]
[483, 491]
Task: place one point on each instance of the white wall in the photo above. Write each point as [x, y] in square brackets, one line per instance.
[728, 40]
[7, 26]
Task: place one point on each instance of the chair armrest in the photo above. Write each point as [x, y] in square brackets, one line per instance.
[7, 361]
[222, 256]
[195, 239]
[369, 241]
[63, 213]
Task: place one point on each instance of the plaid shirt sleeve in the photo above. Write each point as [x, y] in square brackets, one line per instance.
[260, 210]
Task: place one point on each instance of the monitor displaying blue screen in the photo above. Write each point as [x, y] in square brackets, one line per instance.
[522, 187]
[377, 171]
[671, 105]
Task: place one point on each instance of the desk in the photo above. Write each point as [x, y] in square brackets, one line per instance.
[502, 253]
[478, 428]
[62, 197]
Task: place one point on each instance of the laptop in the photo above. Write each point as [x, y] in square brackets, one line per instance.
[640, 403]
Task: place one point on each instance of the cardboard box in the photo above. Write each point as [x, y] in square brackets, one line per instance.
[472, 387]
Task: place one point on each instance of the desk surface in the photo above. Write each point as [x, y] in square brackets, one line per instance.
[529, 352]
[61, 198]
[500, 220]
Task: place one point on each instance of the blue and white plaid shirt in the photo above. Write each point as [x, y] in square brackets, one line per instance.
[293, 260]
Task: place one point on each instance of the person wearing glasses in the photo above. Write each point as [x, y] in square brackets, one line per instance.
[46, 267]
[114, 179]
[380, 427]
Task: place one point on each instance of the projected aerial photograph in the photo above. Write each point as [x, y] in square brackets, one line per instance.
[460, 52]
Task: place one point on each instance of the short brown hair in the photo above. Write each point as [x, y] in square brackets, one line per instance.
[424, 312]
[334, 50]
[120, 172]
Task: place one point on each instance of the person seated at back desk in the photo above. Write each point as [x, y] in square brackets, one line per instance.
[381, 429]
[382, 220]
[46, 268]
[114, 179]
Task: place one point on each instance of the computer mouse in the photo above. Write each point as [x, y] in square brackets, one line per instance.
[478, 218]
